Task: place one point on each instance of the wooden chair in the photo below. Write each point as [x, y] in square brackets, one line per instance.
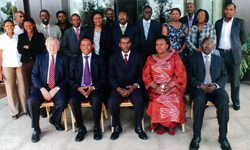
[85, 104]
[47, 105]
[127, 103]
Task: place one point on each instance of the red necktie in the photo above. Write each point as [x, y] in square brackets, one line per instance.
[77, 33]
[52, 74]
[126, 60]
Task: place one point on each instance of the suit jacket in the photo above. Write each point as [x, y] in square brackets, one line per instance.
[238, 37]
[147, 47]
[184, 19]
[105, 41]
[40, 71]
[120, 75]
[36, 46]
[54, 30]
[70, 45]
[98, 71]
[131, 31]
[196, 70]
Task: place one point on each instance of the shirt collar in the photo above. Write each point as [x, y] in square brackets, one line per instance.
[126, 53]
[191, 18]
[45, 25]
[229, 20]
[54, 56]
[209, 55]
[77, 28]
[144, 21]
[124, 25]
[90, 54]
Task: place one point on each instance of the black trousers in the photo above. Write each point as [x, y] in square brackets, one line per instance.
[220, 99]
[36, 99]
[114, 106]
[233, 71]
[95, 101]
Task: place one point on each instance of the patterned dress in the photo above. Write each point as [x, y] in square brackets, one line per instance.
[168, 109]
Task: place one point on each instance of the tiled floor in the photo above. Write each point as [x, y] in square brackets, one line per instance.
[16, 134]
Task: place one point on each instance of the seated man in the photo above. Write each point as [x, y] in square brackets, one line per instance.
[208, 83]
[125, 77]
[87, 78]
[50, 82]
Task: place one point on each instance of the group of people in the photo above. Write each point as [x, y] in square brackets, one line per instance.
[110, 61]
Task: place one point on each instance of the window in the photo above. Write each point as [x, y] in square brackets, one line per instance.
[7, 11]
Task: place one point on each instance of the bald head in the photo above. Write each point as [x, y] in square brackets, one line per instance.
[19, 17]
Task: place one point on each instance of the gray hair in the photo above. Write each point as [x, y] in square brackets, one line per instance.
[51, 39]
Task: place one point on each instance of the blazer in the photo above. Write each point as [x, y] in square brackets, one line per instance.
[36, 46]
[147, 47]
[105, 40]
[207, 30]
[70, 45]
[98, 71]
[131, 31]
[184, 19]
[40, 71]
[120, 75]
[196, 70]
[238, 37]
[54, 30]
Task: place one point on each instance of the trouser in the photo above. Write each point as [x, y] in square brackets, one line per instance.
[26, 72]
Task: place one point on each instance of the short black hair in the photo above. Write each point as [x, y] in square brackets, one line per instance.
[95, 13]
[60, 11]
[206, 13]
[177, 9]
[231, 4]
[87, 39]
[44, 10]
[108, 9]
[165, 38]
[146, 7]
[7, 21]
[123, 10]
[32, 21]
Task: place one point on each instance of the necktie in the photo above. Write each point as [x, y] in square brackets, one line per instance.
[86, 72]
[146, 28]
[208, 75]
[77, 34]
[123, 29]
[47, 32]
[126, 60]
[52, 74]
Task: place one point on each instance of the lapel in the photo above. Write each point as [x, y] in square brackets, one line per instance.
[121, 61]
[81, 33]
[233, 27]
[150, 29]
[42, 29]
[73, 33]
[80, 66]
[93, 64]
[58, 66]
[212, 66]
[201, 65]
[127, 30]
[130, 61]
[45, 65]
[219, 29]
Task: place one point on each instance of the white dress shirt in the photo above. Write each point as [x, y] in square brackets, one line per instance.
[126, 53]
[89, 63]
[18, 30]
[125, 26]
[225, 42]
[79, 29]
[50, 60]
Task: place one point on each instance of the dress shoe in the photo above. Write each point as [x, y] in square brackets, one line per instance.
[58, 126]
[236, 107]
[80, 134]
[141, 133]
[97, 133]
[36, 135]
[194, 145]
[117, 131]
[224, 144]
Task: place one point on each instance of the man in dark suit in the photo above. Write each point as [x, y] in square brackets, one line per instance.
[149, 31]
[207, 77]
[88, 76]
[72, 37]
[124, 28]
[109, 14]
[190, 19]
[50, 83]
[125, 77]
[63, 22]
[231, 34]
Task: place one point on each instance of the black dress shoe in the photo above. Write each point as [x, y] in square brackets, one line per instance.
[224, 144]
[43, 112]
[36, 135]
[141, 133]
[117, 131]
[194, 145]
[58, 126]
[236, 107]
[80, 134]
[97, 133]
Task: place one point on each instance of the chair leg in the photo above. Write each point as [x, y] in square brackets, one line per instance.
[183, 127]
[191, 110]
[102, 122]
[47, 111]
[72, 118]
[65, 120]
[142, 123]
[104, 111]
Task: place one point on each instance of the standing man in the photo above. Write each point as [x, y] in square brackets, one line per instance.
[88, 76]
[231, 34]
[63, 22]
[70, 44]
[124, 28]
[190, 18]
[207, 77]
[109, 13]
[50, 83]
[125, 77]
[19, 17]
[48, 30]
[149, 31]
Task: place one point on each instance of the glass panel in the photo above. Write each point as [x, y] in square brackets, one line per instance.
[7, 11]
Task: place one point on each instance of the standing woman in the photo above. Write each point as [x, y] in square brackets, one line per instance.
[177, 32]
[100, 35]
[10, 70]
[30, 44]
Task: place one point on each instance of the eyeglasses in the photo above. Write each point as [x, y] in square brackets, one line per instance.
[200, 15]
